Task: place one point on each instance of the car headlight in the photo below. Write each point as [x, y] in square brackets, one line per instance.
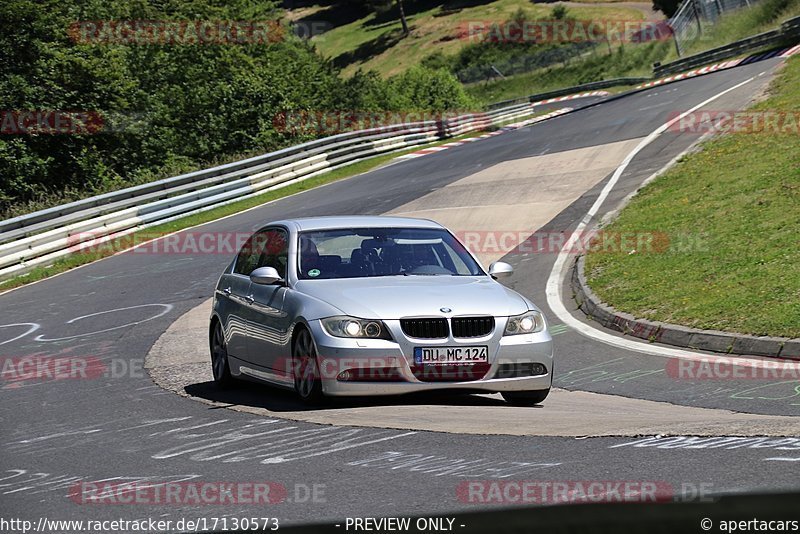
[527, 323]
[354, 327]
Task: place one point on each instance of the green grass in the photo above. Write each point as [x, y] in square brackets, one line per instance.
[375, 39]
[761, 17]
[77, 259]
[629, 60]
[731, 213]
[637, 60]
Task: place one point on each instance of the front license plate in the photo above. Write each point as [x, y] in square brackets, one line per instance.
[450, 355]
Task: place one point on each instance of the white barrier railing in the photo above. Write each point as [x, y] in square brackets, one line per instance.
[41, 237]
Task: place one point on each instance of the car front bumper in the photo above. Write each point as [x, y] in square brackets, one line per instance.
[337, 354]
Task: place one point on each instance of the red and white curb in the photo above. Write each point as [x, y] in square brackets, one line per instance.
[445, 146]
[504, 129]
[717, 66]
[792, 51]
[692, 73]
[570, 97]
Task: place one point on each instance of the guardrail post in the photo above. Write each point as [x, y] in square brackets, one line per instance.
[697, 17]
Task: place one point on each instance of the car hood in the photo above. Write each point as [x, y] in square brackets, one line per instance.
[393, 297]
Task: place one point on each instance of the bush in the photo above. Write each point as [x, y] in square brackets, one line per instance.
[559, 12]
[172, 107]
[428, 90]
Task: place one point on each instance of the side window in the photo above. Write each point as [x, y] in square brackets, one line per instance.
[267, 248]
[275, 251]
[247, 260]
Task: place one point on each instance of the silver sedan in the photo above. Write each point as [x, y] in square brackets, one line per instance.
[374, 306]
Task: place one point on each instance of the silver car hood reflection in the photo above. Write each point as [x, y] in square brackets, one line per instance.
[394, 297]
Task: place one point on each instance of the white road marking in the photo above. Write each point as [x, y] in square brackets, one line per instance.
[554, 281]
[167, 309]
[33, 328]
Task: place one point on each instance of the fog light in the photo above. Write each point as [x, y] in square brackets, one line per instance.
[345, 375]
[538, 369]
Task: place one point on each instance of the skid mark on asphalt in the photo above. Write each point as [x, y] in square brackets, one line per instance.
[113, 323]
[719, 443]
[161, 310]
[266, 441]
[618, 370]
[31, 328]
[33, 482]
[93, 364]
[444, 466]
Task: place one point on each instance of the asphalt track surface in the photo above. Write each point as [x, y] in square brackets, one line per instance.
[56, 433]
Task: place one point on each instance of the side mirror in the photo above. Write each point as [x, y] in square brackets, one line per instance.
[500, 269]
[265, 276]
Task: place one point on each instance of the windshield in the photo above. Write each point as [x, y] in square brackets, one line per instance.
[368, 252]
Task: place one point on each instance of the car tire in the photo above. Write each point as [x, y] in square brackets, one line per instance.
[307, 381]
[219, 358]
[526, 398]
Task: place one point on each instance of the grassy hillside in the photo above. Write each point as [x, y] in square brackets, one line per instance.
[374, 41]
[763, 16]
[637, 60]
[368, 40]
[630, 60]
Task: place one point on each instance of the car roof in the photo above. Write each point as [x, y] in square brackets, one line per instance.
[356, 221]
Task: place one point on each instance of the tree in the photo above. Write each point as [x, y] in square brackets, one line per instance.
[402, 17]
[667, 7]
[383, 10]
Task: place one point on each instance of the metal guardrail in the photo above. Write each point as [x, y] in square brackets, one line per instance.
[788, 33]
[591, 86]
[41, 237]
